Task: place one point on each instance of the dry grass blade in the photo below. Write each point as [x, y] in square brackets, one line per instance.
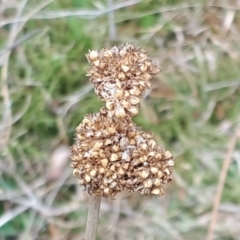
[89, 14]
[222, 179]
[16, 29]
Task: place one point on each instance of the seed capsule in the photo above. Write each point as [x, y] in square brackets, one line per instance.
[93, 173]
[155, 191]
[110, 104]
[114, 157]
[157, 182]
[167, 155]
[120, 112]
[76, 173]
[133, 110]
[160, 174]
[104, 162]
[134, 100]
[148, 183]
[154, 170]
[171, 163]
[93, 55]
[87, 178]
[144, 173]
[125, 68]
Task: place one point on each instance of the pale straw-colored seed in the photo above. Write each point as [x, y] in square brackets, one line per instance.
[131, 134]
[134, 100]
[154, 170]
[135, 91]
[114, 157]
[125, 68]
[121, 171]
[135, 161]
[113, 168]
[76, 172]
[170, 163]
[111, 130]
[93, 173]
[114, 176]
[143, 159]
[88, 166]
[157, 182]
[143, 68]
[155, 191]
[143, 56]
[106, 191]
[95, 154]
[144, 173]
[121, 76]
[144, 146]
[158, 155]
[93, 55]
[104, 162]
[132, 141]
[102, 170]
[152, 143]
[87, 178]
[108, 54]
[115, 148]
[148, 183]
[119, 93]
[106, 181]
[167, 155]
[110, 104]
[146, 76]
[125, 166]
[102, 65]
[120, 112]
[151, 154]
[96, 63]
[81, 182]
[113, 185]
[126, 93]
[133, 110]
[98, 145]
[160, 174]
[167, 171]
[125, 103]
[108, 141]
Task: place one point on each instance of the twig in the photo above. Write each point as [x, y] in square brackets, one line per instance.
[226, 164]
[92, 219]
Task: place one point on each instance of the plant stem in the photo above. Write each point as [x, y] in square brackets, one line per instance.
[92, 219]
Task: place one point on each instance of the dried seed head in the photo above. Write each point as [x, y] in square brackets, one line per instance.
[111, 153]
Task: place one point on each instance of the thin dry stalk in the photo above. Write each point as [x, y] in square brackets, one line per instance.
[92, 219]
[222, 179]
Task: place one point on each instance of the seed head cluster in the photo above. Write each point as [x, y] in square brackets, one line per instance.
[111, 153]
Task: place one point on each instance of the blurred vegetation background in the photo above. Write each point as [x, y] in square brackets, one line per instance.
[193, 108]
